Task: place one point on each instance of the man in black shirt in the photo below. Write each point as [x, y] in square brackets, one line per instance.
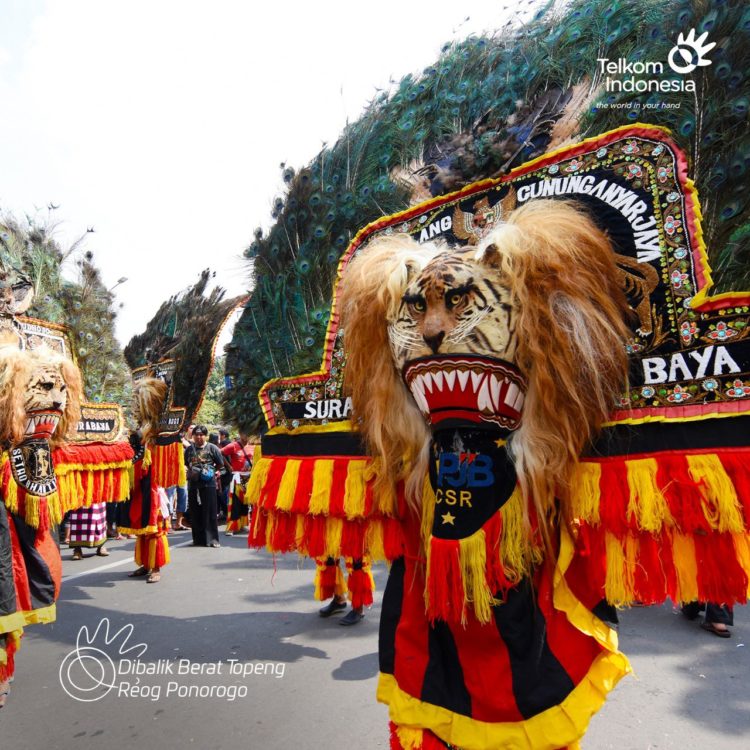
[203, 461]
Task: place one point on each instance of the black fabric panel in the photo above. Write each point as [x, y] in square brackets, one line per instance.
[7, 587]
[145, 499]
[167, 439]
[320, 444]
[444, 677]
[390, 615]
[606, 612]
[620, 440]
[539, 680]
[41, 585]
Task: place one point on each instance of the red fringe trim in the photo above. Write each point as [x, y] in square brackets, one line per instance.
[445, 587]
[326, 573]
[359, 584]
[92, 453]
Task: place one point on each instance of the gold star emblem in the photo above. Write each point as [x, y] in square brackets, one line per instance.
[500, 442]
[448, 518]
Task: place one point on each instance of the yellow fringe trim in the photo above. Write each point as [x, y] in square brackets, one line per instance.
[619, 580]
[76, 487]
[299, 532]
[63, 469]
[334, 529]
[409, 738]
[374, 540]
[138, 532]
[320, 498]
[288, 484]
[428, 514]
[686, 566]
[647, 503]
[33, 506]
[472, 555]
[584, 492]
[258, 478]
[721, 506]
[355, 489]
[742, 550]
[518, 553]
[14, 637]
[18, 620]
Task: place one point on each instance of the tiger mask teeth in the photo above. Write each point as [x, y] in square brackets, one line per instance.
[42, 424]
[466, 388]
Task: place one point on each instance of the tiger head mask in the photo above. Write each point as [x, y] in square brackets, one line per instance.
[454, 340]
[530, 320]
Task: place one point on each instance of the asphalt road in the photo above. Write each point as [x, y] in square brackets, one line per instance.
[289, 679]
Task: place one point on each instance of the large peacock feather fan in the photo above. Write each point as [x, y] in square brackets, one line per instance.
[82, 303]
[487, 105]
[184, 329]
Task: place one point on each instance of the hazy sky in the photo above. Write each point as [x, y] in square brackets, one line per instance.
[162, 124]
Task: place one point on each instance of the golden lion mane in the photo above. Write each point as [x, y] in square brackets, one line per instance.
[560, 270]
[16, 370]
[149, 395]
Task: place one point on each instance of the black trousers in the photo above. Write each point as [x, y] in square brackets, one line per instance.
[715, 613]
[202, 506]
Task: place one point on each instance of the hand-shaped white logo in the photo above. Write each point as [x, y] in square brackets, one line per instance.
[688, 53]
[88, 672]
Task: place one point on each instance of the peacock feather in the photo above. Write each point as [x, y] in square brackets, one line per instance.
[185, 328]
[487, 105]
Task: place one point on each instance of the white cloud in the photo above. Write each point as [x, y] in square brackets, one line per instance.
[162, 124]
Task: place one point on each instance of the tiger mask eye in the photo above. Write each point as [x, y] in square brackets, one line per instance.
[454, 299]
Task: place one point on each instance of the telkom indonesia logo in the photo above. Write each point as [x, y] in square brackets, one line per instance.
[88, 672]
[688, 53]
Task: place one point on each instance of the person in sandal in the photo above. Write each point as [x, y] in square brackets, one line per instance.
[151, 576]
[88, 528]
[717, 619]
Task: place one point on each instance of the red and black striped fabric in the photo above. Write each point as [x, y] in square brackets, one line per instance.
[470, 683]
[30, 572]
[140, 514]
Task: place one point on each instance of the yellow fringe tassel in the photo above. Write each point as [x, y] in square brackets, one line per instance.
[619, 584]
[355, 489]
[410, 739]
[473, 560]
[742, 549]
[686, 566]
[334, 528]
[585, 494]
[721, 505]
[288, 484]
[428, 513]
[647, 503]
[258, 478]
[320, 498]
[517, 551]
[299, 532]
[374, 540]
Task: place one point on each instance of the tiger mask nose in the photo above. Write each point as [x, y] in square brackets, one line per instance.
[434, 340]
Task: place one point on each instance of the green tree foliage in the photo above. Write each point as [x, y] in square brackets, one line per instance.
[82, 302]
[210, 413]
[489, 104]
